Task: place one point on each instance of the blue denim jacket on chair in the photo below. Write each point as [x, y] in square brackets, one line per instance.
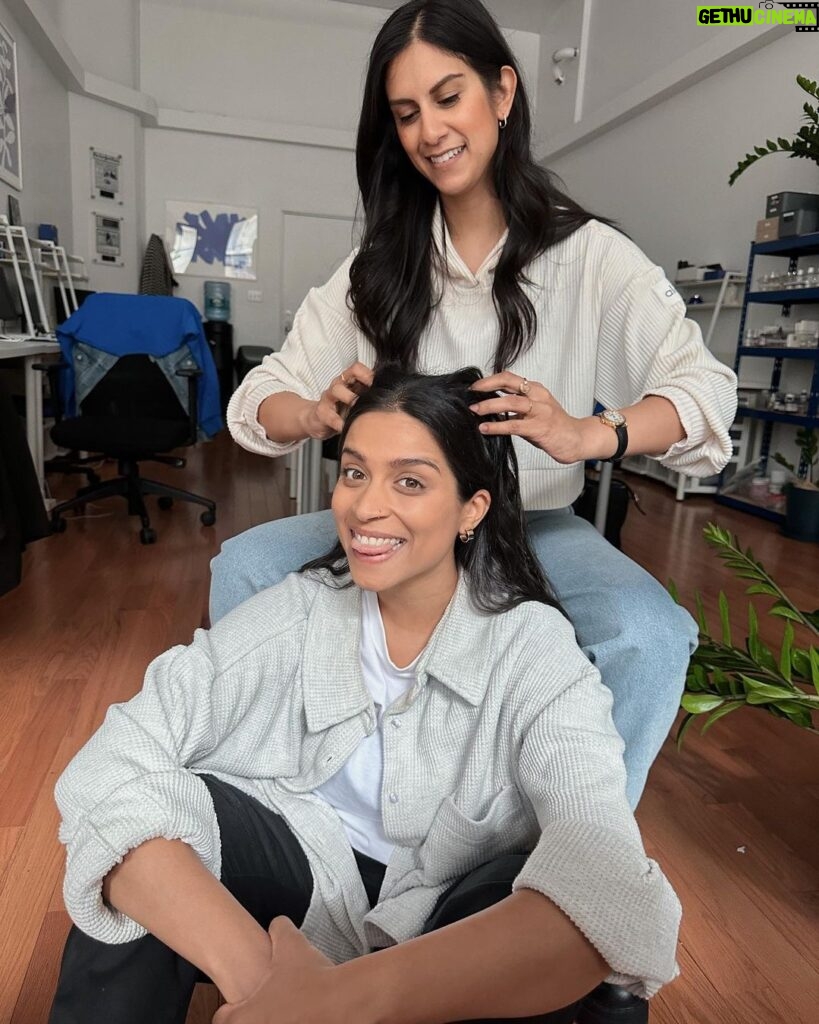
[167, 329]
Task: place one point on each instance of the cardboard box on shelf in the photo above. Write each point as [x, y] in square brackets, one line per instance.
[767, 230]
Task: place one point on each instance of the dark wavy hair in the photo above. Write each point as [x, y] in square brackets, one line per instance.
[391, 290]
[502, 569]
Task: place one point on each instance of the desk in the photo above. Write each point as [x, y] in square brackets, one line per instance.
[29, 352]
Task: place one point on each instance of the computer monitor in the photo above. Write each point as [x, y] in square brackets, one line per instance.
[60, 312]
[10, 306]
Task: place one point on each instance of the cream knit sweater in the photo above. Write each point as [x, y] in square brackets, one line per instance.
[611, 329]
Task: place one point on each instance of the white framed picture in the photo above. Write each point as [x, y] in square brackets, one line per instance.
[105, 175]
[11, 170]
[107, 239]
[211, 239]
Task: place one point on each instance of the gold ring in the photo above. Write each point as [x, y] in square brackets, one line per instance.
[531, 406]
[343, 380]
[524, 386]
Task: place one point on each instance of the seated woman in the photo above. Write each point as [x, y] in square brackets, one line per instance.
[400, 750]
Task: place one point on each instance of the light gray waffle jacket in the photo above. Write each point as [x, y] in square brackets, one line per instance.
[504, 743]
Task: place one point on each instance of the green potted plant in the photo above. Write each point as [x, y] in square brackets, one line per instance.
[802, 494]
[804, 145]
[725, 676]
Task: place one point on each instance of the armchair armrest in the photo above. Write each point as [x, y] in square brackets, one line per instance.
[191, 373]
[52, 370]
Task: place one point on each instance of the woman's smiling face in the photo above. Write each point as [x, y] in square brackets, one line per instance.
[397, 507]
[447, 121]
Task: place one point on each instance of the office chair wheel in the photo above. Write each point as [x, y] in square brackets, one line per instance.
[147, 535]
[165, 502]
[58, 524]
[208, 518]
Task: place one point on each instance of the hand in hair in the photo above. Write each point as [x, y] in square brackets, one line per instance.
[537, 417]
[325, 418]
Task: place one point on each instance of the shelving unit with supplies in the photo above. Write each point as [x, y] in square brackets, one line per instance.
[784, 358]
[725, 293]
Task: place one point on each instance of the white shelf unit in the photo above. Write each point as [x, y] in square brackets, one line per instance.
[34, 260]
[728, 293]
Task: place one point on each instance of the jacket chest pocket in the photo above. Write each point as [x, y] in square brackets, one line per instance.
[457, 844]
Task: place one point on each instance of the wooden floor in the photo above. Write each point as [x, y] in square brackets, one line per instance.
[733, 819]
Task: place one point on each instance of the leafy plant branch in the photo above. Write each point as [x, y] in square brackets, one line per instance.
[724, 677]
[804, 145]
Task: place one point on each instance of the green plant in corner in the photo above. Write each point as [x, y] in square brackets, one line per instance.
[724, 677]
[807, 441]
[805, 144]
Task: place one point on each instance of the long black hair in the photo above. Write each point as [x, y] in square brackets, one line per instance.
[391, 288]
[502, 569]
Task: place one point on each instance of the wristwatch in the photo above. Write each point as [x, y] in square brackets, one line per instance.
[617, 421]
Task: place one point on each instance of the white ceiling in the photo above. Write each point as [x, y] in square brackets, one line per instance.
[523, 15]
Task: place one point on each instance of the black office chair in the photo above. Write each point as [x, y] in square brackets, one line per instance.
[132, 415]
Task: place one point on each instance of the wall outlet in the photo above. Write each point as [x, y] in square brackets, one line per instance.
[254, 295]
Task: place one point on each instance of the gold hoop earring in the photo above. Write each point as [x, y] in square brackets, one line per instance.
[466, 536]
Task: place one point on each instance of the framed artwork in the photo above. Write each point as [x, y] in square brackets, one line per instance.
[105, 175]
[11, 170]
[210, 240]
[107, 233]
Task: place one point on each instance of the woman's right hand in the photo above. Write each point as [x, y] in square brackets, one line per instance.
[325, 418]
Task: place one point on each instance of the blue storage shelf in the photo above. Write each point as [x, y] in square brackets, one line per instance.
[777, 352]
[791, 249]
[785, 297]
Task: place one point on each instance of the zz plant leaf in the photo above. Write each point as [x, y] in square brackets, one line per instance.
[725, 676]
[804, 145]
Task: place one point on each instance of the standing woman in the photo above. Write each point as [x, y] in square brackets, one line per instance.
[470, 254]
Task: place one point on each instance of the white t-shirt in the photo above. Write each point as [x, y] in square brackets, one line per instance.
[355, 790]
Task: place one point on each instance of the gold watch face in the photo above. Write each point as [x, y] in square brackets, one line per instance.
[613, 418]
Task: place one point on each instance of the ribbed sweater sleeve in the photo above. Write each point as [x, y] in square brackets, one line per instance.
[129, 784]
[320, 346]
[647, 346]
[590, 860]
[230, 696]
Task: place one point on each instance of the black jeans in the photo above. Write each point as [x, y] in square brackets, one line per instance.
[263, 866]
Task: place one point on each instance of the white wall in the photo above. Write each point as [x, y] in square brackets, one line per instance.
[103, 34]
[664, 174]
[269, 176]
[118, 132]
[45, 197]
[236, 64]
[630, 40]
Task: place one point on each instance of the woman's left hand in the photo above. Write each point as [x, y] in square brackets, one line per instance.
[299, 988]
[538, 417]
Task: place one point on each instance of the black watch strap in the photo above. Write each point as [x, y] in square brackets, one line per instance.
[622, 443]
